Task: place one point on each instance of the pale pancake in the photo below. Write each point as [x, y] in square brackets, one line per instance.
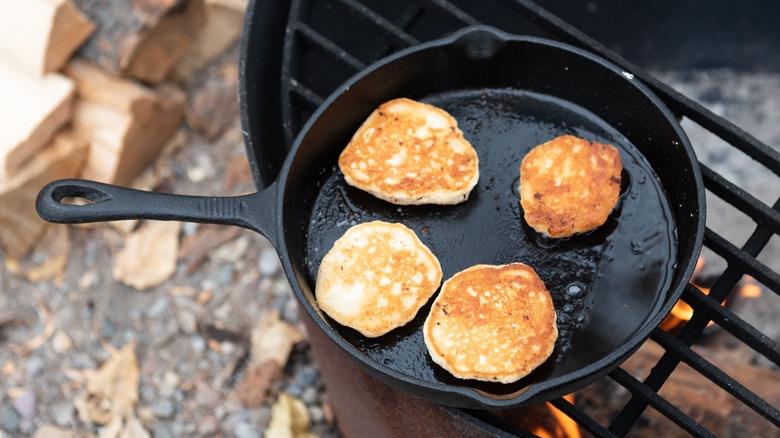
[569, 185]
[492, 323]
[408, 152]
[376, 277]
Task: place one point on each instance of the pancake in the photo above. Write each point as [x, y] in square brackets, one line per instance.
[569, 185]
[492, 323]
[376, 277]
[411, 153]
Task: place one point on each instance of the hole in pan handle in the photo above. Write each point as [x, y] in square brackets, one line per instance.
[106, 202]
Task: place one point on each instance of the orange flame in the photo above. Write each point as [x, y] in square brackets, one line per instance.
[564, 427]
[682, 311]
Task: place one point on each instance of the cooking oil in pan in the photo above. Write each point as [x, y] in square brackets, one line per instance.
[605, 284]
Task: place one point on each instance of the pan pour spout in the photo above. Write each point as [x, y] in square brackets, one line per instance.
[480, 42]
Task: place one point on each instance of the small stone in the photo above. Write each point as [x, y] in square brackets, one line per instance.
[61, 342]
[307, 376]
[205, 395]
[223, 276]
[198, 344]
[10, 420]
[244, 430]
[189, 228]
[293, 390]
[62, 413]
[315, 414]
[163, 408]
[24, 404]
[290, 311]
[223, 312]
[208, 426]
[281, 287]
[158, 308]
[161, 431]
[33, 367]
[268, 263]
[82, 361]
[170, 380]
[263, 417]
[309, 395]
[148, 394]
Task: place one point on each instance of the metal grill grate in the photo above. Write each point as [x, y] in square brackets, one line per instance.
[318, 55]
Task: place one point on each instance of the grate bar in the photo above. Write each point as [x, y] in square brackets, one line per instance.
[742, 260]
[693, 328]
[401, 37]
[717, 376]
[678, 102]
[659, 403]
[732, 323]
[740, 199]
[582, 419]
[320, 42]
[309, 97]
[453, 12]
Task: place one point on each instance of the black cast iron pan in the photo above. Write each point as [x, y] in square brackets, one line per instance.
[509, 93]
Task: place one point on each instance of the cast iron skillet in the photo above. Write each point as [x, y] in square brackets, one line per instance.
[509, 93]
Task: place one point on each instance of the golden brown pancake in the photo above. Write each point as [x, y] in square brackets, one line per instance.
[569, 185]
[492, 323]
[376, 277]
[408, 152]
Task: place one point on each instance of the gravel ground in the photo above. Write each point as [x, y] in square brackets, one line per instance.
[192, 332]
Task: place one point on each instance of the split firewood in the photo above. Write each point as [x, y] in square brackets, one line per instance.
[126, 123]
[38, 36]
[221, 30]
[141, 39]
[32, 110]
[20, 225]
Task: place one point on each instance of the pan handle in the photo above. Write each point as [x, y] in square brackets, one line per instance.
[108, 202]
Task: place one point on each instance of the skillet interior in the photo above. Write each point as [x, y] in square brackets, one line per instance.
[509, 95]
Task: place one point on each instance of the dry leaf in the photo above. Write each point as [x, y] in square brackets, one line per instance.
[49, 431]
[49, 258]
[48, 330]
[149, 255]
[273, 340]
[271, 344]
[289, 419]
[112, 391]
[253, 389]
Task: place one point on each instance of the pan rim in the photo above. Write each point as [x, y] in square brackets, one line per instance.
[472, 397]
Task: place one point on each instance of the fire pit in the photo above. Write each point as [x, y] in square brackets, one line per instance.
[326, 42]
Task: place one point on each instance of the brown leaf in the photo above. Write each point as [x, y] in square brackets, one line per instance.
[273, 340]
[49, 431]
[149, 255]
[50, 325]
[253, 389]
[49, 258]
[271, 344]
[112, 390]
[289, 419]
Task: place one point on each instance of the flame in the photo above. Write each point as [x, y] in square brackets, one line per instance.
[682, 311]
[564, 427]
[751, 289]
